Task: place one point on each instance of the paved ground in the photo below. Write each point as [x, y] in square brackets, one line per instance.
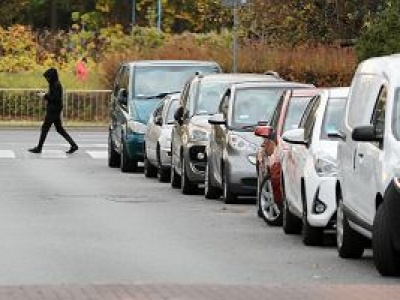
[72, 228]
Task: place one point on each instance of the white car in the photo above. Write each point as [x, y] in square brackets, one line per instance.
[157, 139]
[368, 187]
[309, 168]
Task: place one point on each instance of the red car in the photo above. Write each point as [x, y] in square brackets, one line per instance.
[287, 115]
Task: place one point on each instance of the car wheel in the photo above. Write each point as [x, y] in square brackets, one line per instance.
[187, 187]
[175, 178]
[312, 236]
[350, 244]
[127, 164]
[210, 191]
[163, 173]
[229, 196]
[114, 159]
[268, 210]
[290, 223]
[386, 259]
[148, 169]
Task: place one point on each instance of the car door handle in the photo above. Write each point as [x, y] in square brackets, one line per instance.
[360, 155]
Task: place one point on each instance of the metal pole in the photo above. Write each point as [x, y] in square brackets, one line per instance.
[133, 12]
[159, 15]
[235, 35]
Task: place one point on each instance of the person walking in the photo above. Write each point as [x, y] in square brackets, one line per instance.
[54, 108]
[81, 70]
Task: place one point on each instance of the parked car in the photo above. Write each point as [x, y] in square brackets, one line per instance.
[286, 116]
[138, 88]
[309, 169]
[200, 99]
[232, 147]
[157, 149]
[368, 186]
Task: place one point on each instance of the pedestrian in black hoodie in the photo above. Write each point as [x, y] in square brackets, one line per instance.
[53, 112]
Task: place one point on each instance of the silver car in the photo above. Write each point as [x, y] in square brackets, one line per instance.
[157, 139]
[232, 145]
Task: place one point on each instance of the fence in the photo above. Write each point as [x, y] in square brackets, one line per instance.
[24, 106]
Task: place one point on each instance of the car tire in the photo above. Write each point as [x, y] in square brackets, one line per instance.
[312, 236]
[268, 210]
[210, 191]
[114, 159]
[187, 187]
[350, 244]
[386, 259]
[127, 165]
[175, 178]
[290, 223]
[163, 173]
[148, 169]
[229, 196]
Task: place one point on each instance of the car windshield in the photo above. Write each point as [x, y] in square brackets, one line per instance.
[253, 105]
[151, 81]
[173, 106]
[142, 109]
[333, 116]
[210, 94]
[295, 110]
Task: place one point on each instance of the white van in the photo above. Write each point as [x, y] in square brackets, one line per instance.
[368, 188]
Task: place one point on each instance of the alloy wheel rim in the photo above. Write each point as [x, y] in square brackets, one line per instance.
[267, 202]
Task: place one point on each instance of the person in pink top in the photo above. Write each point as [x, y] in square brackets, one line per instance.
[81, 70]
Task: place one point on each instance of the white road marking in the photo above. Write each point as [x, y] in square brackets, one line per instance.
[53, 154]
[7, 154]
[98, 154]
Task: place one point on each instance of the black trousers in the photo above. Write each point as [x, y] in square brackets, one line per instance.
[50, 119]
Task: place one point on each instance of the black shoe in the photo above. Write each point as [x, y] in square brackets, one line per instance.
[35, 150]
[72, 149]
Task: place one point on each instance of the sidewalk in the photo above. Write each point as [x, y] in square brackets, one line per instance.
[200, 292]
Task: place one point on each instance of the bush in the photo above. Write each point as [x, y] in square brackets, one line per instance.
[380, 36]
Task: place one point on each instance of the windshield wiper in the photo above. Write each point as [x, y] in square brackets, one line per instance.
[160, 95]
[248, 126]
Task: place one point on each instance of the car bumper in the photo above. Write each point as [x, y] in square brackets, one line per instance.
[242, 174]
[321, 193]
[134, 145]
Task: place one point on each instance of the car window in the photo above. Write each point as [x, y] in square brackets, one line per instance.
[158, 111]
[333, 116]
[396, 115]
[152, 81]
[378, 116]
[224, 104]
[277, 112]
[295, 110]
[209, 97]
[308, 119]
[254, 105]
[173, 106]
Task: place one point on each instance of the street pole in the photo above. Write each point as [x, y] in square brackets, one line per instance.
[133, 12]
[235, 36]
[159, 15]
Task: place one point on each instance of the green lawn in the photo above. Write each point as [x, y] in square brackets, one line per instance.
[35, 79]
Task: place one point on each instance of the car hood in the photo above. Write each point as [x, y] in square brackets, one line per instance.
[249, 136]
[201, 121]
[329, 147]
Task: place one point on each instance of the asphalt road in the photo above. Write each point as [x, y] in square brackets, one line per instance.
[72, 220]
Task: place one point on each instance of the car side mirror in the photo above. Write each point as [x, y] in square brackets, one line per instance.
[217, 119]
[178, 116]
[367, 133]
[122, 97]
[295, 136]
[158, 120]
[264, 131]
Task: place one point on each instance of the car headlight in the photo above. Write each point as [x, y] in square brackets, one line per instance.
[241, 144]
[198, 135]
[136, 127]
[325, 165]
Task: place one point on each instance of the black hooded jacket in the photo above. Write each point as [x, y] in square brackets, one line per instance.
[55, 93]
